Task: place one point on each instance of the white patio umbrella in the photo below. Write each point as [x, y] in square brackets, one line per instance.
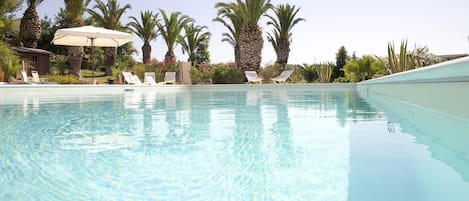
[91, 36]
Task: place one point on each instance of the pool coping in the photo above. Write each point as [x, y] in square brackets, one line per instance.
[55, 88]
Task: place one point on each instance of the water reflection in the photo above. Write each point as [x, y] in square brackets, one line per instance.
[446, 136]
[260, 144]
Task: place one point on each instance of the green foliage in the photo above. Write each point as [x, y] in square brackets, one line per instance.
[283, 22]
[325, 72]
[140, 70]
[108, 14]
[170, 30]
[399, 62]
[408, 60]
[311, 72]
[145, 28]
[225, 75]
[239, 15]
[342, 80]
[297, 75]
[196, 76]
[363, 69]
[146, 31]
[9, 62]
[270, 71]
[59, 64]
[341, 58]
[7, 11]
[195, 43]
[62, 79]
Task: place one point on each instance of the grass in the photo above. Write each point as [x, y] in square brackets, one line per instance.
[98, 75]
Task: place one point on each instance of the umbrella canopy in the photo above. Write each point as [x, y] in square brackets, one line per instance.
[91, 36]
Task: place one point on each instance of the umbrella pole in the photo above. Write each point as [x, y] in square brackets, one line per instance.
[92, 60]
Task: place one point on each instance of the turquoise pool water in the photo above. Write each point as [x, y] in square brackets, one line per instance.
[253, 144]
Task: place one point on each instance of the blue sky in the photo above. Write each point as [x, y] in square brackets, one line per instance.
[362, 26]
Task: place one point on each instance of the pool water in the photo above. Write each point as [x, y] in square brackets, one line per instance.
[253, 144]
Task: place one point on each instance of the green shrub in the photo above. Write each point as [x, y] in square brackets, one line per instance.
[311, 73]
[140, 70]
[363, 69]
[61, 79]
[9, 62]
[342, 80]
[325, 72]
[59, 64]
[270, 71]
[196, 76]
[225, 75]
[297, 75]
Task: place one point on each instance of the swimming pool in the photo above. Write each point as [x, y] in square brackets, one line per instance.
[290, 142]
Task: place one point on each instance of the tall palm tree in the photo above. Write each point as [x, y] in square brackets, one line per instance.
[171, 31]
[145, 30]
[244, 17]
[283, 22]
[74, 10]
[108, 16]
[30, 27]
[191, 42]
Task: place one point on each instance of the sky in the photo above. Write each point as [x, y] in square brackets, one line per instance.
[362, 26]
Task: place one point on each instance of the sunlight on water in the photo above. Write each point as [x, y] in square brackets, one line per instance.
[228, 145]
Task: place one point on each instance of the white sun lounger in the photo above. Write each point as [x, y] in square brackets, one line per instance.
[136, 80]
[128, 78]
[35, 78]
[149, 78]
[252, 77]
[25, 76]
[282, 78]
[169, 78]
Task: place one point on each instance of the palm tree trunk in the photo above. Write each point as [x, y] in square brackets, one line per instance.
[75, 56]
[283, 52]
[109, 59]
[170, 57]
[30, 28]
[250, 48]
[237, 59]
[146, 50]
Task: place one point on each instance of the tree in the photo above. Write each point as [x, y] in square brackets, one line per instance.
[202, 55]
[245, 31]
[74, 10]
[108, 16]
[9, 62]
[145, 30]
[194, 38]
[7, 9]
[171, 29]
[233, 25]
[30, 27]
[341, 58]
[280, 38]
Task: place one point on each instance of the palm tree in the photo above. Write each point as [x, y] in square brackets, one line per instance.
[108, 16]
[244, 17]
[283, 22]
[192, 41]
[171, 31]
[74, 10]
[145, 30]
[30, 27]
[233, 26]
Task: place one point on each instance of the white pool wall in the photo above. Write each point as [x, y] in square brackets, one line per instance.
[442, 87]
